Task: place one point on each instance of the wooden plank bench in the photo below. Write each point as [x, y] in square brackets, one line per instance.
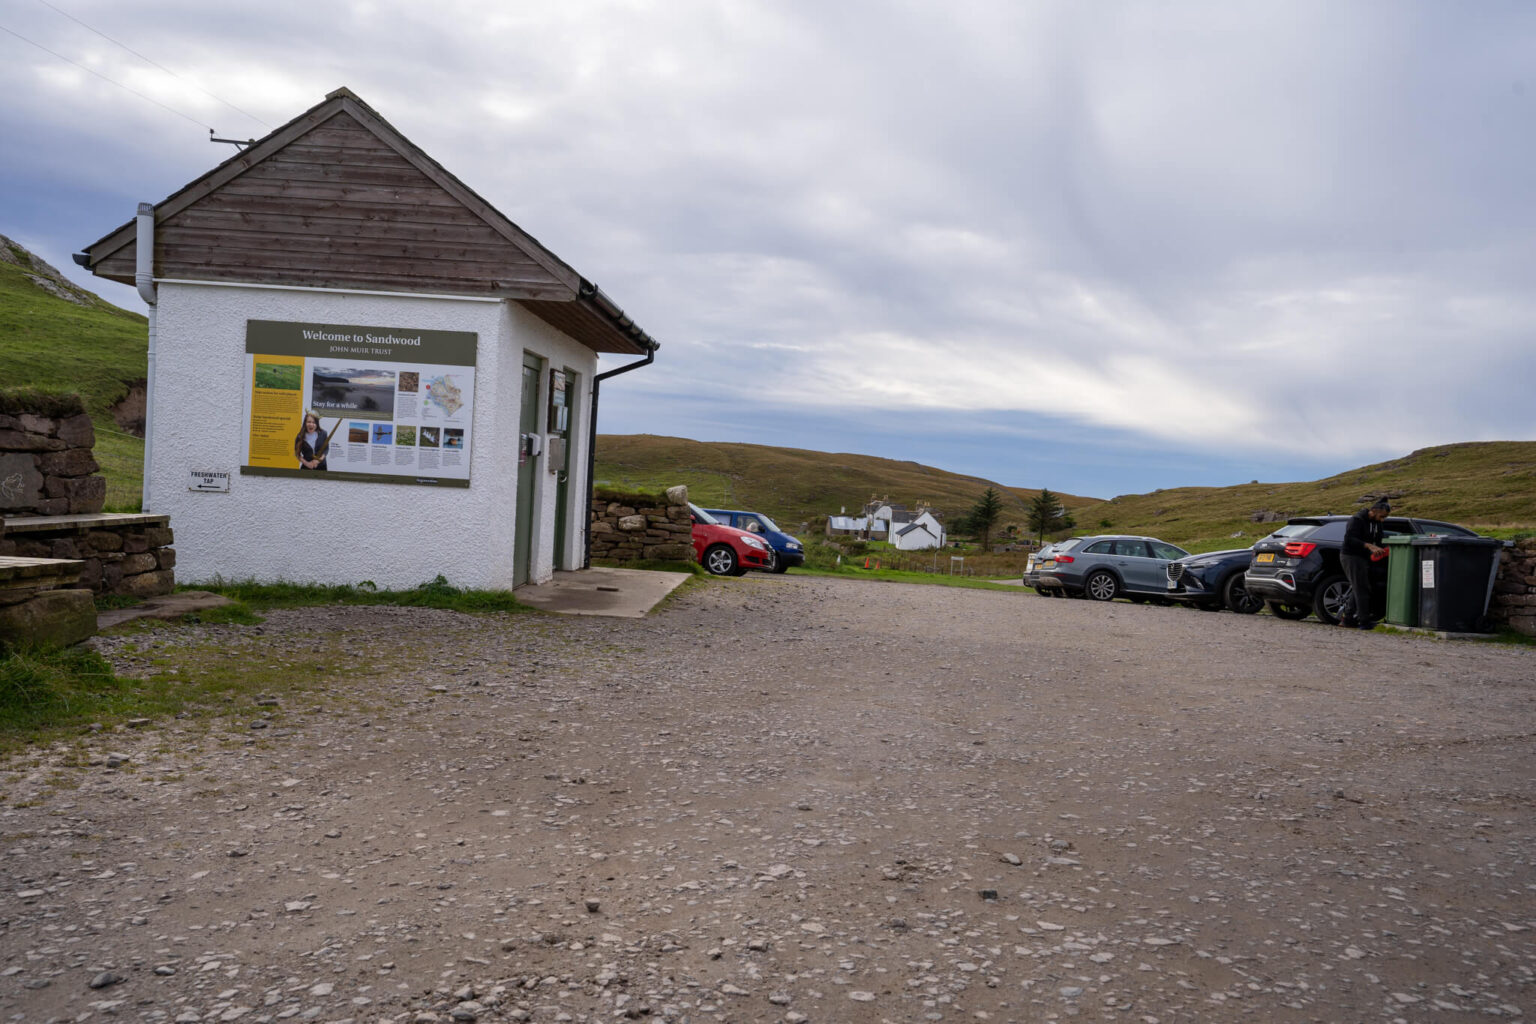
[38, 573]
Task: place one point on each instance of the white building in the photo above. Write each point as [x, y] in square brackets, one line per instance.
[333, 269]
[905, 530]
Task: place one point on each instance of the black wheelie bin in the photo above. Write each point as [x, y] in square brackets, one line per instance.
[1455, 577]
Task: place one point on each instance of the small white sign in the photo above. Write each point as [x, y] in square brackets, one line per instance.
[1426, 575]
[207, 480]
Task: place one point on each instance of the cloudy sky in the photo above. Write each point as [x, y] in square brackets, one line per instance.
[1101, 247]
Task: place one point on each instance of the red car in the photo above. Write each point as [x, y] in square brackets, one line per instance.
[724, 550]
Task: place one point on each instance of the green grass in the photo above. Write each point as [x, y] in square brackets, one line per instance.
[92, 348]
[50, 689]
[792, 485]
[437, 593]
[281, 376]
[1487, 485]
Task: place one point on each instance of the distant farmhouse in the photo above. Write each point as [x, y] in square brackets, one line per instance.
[916, 530]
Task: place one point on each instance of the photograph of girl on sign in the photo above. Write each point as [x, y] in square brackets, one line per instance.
[310, 446]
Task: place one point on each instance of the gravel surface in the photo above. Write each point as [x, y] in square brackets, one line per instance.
[793, 799]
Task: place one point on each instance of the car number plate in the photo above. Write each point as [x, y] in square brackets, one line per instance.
[1268, 556]
[1049, 563]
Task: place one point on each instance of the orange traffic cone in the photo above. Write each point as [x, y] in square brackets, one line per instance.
[866, 563]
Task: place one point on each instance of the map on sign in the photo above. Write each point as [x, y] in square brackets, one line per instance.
[445, 394]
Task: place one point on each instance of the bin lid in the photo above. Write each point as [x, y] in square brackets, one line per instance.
[1403, 539]
[1437, 541]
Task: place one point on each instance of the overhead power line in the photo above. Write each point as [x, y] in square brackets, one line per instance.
[152, 63]
[104, 78]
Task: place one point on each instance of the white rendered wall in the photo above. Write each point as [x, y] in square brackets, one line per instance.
[323, 529]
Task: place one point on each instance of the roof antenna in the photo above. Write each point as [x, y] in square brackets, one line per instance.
[233, 142]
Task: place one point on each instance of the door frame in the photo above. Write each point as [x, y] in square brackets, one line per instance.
[526, 502]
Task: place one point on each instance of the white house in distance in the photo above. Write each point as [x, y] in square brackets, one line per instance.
[361, 370]
[906, 531]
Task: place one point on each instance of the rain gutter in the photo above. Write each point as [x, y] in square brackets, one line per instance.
[592, 293]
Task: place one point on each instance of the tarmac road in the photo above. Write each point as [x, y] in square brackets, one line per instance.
[792, 799]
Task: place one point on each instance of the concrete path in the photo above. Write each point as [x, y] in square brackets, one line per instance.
[167, 606]
[619, 593]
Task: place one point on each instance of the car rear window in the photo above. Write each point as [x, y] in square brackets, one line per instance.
[1434, 529]
[1329, 531]
[1103, 547]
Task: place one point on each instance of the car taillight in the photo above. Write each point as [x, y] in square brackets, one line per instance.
[1064, 559]
[1299, 548]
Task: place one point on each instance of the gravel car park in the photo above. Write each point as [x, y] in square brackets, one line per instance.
[777, 799]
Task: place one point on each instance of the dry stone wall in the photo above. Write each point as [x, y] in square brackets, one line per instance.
[46, 465]
[632, 527]
[122, 554]
[1514, 592]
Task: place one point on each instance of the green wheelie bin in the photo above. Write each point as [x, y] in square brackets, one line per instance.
[1402, 581]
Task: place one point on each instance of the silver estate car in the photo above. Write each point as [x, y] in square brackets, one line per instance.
[1106, 567]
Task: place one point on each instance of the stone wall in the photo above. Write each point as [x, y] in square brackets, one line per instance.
[122, 553]
[631, 527]
[46, 466]
[1514, 592]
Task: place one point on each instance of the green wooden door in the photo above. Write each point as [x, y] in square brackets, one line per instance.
[527, 472]
[562, 401]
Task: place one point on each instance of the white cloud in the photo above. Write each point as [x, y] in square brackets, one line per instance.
[1222, 227]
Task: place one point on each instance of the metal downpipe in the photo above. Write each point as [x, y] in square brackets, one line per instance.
[144, 279]
[597, 381]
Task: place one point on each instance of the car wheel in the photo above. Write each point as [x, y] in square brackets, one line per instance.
[1331, 599]
[1101, 586]
[1236, 596]
[720, 560]
[1288, 611]
[779, 564]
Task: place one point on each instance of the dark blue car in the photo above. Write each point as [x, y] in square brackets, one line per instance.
[1213, 581]
[787, 551]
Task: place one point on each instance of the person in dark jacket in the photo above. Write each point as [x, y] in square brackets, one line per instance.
[309, 447]
[1362, 540]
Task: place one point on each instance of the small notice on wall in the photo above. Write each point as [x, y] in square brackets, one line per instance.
[380, 404]
[1426, 575]
[207, 480]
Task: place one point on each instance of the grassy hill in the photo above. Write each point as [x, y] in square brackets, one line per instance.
[1490, 486]
[57, 337]
[1487, 485]
[791, 484]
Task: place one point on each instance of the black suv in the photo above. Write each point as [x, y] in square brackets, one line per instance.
[1296, 569]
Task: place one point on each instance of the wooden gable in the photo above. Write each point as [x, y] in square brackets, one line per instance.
[337, 198]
